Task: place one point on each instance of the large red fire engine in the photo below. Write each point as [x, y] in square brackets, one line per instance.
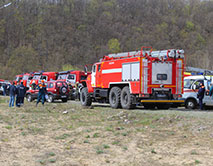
[146, 77]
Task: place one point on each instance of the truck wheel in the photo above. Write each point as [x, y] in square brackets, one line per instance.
[126, 98]
[190, 104]
[29, 98]
[50, 98]
[64, 100]
[114, 97]
[85, 97]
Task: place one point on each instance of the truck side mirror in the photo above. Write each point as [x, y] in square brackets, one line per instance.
[85, 69]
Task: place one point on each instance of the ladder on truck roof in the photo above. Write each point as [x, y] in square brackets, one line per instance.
[171, 53]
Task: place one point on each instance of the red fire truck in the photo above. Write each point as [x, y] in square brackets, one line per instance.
[47, 76]
[145, 77]
[72, 76]
[18, 78]
[27, 77]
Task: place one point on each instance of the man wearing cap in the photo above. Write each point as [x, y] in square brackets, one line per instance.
[42, 91]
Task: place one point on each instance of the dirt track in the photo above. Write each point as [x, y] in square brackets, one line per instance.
[67, 135]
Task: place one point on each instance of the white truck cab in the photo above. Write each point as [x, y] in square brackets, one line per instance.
[191, 87]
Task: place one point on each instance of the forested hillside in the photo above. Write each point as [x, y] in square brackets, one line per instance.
[51, 34]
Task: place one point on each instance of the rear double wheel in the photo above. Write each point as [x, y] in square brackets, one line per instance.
[85, 97]
[126, 98]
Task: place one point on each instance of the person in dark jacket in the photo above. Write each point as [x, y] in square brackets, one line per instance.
[21, 94]
[4, 89]
[17, 95]
[201, 93]
[42, 91]
[12, 94]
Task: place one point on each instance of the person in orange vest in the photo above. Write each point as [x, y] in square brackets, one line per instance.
[42, 92]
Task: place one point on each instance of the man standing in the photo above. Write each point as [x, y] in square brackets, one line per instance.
[17, 95]
[4, 89]
[201, 93]
[12, 94]
[42, 91]
[21, 94]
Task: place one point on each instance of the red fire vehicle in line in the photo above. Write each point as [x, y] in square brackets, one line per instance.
[27, 77]
[72, 76]
[18, 78]
[55, 90]
[74, 79]
[150, 78]
[47, 76]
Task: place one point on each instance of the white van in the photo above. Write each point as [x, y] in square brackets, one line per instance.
[191, 87]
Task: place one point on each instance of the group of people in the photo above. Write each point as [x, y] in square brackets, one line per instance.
[17, 94]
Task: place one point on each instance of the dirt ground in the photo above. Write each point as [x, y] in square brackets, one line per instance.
[66, 134]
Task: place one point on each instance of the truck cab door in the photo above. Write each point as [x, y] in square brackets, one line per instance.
[207, 99]
[98, 75]
[93, 81]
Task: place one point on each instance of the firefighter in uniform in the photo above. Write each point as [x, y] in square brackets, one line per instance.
[21, 91]
[42, 91]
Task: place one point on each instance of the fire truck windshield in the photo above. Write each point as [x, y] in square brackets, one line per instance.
[36, 77]
[62, 77]
[25, 77]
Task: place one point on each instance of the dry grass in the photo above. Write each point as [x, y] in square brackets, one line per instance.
[68, 135]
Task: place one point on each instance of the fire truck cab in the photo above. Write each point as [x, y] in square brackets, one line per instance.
[149, 78]
[72, 76]
[18, 78]
[27, 77]
[47, 76]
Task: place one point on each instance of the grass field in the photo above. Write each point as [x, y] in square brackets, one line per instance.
[67, 134]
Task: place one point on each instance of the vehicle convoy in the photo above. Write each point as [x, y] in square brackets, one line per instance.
[55, 90]
[149, 78]
[191, 87]
[47, 76]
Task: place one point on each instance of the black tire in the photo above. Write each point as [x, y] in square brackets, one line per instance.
[163, 106]
[190, 104]
[50, 98]
[85, 97]
[126, 98]
[114, 97]
[64, 100]
[29, 98]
